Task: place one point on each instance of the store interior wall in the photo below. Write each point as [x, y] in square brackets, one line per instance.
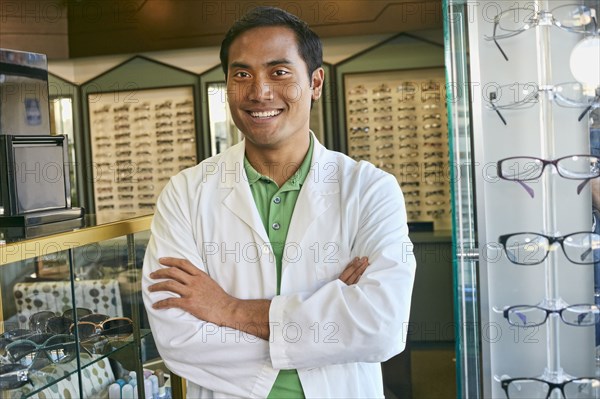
[83, 28]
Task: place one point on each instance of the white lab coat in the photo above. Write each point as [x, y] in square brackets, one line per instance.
[334, 335]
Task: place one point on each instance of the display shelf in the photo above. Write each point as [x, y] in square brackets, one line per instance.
[39, 298]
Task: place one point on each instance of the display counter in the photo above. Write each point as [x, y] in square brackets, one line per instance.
[72, 319]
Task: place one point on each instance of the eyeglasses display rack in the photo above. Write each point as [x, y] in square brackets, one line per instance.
[140, 132]
[533, 177]
[138, 145]
[397, 120]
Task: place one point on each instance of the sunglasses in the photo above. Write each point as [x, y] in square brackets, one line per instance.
[13, 376]
[98, 324]
[48, 321]
[41, 349]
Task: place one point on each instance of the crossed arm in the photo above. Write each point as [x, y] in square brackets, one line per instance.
[202, 297]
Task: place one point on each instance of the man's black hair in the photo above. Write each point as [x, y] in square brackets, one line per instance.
[309, 44]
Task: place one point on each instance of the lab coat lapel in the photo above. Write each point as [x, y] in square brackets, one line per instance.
[239, 200]
[315, 196]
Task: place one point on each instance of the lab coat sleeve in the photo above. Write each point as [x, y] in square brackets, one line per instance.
[219, 359]
[365, 322]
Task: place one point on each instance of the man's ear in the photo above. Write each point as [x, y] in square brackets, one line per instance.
[317, 79]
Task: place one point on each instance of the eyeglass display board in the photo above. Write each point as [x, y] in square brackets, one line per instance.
[397, 120]
[518, 78]
[138, 141]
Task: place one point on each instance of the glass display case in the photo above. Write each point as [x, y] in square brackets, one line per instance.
[525, 247]
[72, 320]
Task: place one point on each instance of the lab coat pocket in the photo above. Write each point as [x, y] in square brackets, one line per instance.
[327, 261]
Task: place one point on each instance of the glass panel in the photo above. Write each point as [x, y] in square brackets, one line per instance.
[223, 132]
[35, 321]
[463, 207]
[61, 122]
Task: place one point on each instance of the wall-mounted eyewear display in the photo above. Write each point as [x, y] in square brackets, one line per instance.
[152, 124]
[415, 99]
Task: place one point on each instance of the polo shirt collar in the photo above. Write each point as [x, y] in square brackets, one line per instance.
[294, 182]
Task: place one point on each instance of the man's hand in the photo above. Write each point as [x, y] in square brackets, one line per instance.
[198, 294]
[202, 297]
[354, 270]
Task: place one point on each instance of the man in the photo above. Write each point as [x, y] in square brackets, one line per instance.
[278, 268]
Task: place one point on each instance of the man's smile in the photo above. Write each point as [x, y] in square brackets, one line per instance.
[265, 114]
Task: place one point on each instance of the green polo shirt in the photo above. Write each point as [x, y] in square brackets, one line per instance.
[276, 206]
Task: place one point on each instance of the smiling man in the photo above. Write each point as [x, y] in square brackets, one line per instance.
[278, 268]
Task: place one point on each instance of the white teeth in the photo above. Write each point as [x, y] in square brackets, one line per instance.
[267, 114]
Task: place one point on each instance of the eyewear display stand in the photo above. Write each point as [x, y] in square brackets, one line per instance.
[553, 371]
[521, 153]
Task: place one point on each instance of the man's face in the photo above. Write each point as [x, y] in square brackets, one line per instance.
[268, 88]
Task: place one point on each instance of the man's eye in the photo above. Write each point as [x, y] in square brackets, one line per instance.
[281, 72]
[242, 74]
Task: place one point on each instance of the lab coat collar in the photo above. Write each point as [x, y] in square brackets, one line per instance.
[321, 182]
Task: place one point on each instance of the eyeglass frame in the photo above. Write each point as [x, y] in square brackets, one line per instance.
[503, 239]
[507, 310]
[20, 375]
[534, 95]
[539, 15]
[545, 163]
[552, 385]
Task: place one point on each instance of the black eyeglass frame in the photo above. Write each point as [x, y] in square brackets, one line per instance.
[507, 310]
[503, 239]
[551, 385]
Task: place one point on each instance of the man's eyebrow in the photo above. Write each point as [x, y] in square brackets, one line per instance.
[278, 62]
[282, 61]
[239, 65]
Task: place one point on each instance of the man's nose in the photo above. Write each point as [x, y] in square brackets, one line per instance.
[260, 91]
